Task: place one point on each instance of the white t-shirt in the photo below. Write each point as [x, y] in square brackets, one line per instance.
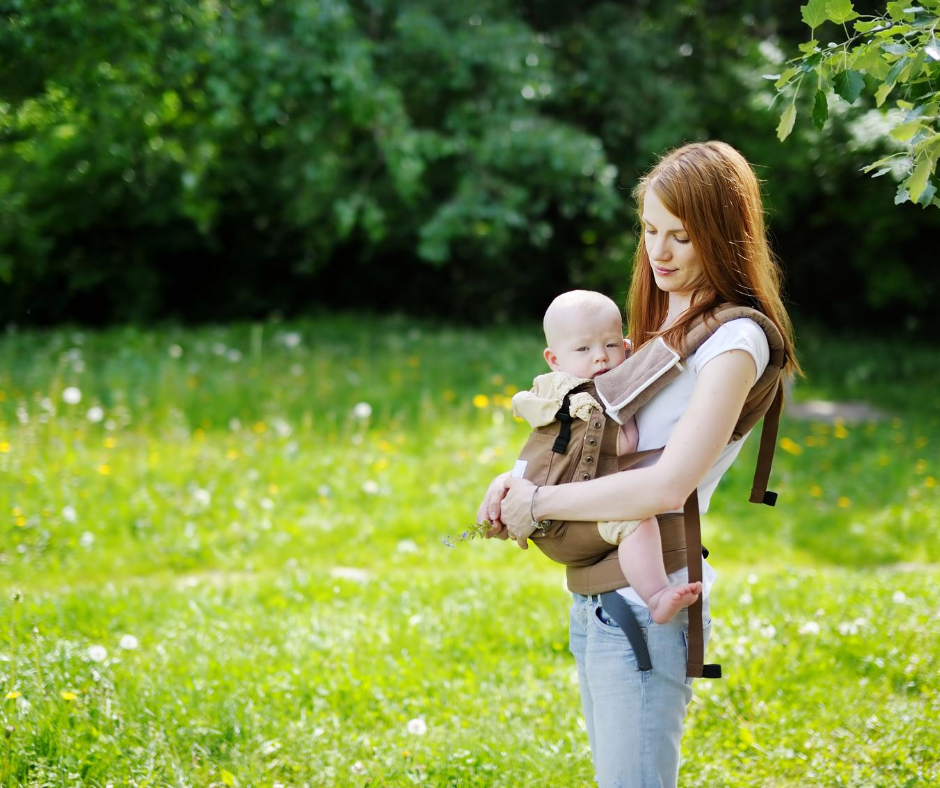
[657, 419]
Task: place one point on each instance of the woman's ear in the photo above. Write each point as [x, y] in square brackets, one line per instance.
[550, 358]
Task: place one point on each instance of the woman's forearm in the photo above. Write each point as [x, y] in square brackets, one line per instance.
[629, 495]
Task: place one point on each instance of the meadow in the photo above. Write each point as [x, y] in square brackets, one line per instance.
[222, 562]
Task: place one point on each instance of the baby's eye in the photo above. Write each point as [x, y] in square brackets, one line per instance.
[582, 350]
[613, 344]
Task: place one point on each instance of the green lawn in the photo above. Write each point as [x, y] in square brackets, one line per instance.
[216, 568]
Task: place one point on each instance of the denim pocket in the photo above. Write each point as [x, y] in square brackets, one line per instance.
[606, 623]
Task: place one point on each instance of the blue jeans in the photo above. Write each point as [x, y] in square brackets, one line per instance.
[634, 719]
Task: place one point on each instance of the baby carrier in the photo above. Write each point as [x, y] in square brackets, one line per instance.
[573, 450]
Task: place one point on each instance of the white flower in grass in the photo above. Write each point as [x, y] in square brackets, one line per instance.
[417, 727]
[291, 339]
[175, 351]
[363, 410]
[768, 631]
[202, 497]
[69, 514]
[370, 487]
[809, 628]
[407, 546]
[95, 414]
[87, 539]
[899, 597]
[357, 768]
[128, 642]
[234, 355]
[72, 395]
[219, 349]
[97, 653]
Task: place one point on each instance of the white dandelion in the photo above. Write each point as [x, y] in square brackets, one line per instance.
[363, 410]
[175, 351]
[97, 653]
[72, 396]
[809, 628]
[202, 497]
[95, 414]
[69, 514]
[128, 642]
[417, 727]
[370, 487]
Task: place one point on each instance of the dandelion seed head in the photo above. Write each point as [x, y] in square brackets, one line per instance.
[809, 628]
[95, 414]
[417, 727]
[899, 597]
[175, 351]
[128, 642]
[97, 653]
[202, 497]
[87, 539]
[69, 514]
[363, 410]
[370, 487]
[72, 395]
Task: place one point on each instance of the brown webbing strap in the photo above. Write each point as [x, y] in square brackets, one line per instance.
[765, 455]
[693, 551]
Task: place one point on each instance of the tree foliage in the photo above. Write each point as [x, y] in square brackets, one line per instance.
[894, 54]
[211, 161]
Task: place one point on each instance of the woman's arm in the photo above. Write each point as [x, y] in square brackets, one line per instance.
[694, 446]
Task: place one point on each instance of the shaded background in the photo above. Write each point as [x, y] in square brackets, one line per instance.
[205, 161]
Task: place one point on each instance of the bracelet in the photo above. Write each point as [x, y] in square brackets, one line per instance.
[540, 525]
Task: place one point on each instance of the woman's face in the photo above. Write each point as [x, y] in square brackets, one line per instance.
[676, 265]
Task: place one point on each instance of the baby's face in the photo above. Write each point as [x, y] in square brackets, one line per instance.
[586, 345]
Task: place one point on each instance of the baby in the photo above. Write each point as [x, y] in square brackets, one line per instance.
[584, 334]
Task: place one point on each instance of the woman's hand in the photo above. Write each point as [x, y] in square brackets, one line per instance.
[516, 512]
[489, 511]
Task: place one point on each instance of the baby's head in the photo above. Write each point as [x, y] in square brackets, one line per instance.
[584, 334]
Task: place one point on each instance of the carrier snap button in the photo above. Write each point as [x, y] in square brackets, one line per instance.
[592, 442]
[586, 477]
[589, 460]
[596, 425]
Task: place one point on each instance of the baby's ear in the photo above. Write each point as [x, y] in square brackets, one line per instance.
[627, 346]
[551, 359]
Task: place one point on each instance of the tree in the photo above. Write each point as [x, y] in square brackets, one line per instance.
[897, 52]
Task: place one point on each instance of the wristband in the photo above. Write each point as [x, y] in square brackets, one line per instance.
[539, 525]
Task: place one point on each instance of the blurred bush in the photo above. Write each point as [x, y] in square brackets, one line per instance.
[203, 160]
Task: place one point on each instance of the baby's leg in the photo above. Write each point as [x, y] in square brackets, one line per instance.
[641, 559]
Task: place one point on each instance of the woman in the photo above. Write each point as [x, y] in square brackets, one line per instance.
[704, 245]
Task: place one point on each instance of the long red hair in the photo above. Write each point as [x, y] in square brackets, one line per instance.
[713, 191]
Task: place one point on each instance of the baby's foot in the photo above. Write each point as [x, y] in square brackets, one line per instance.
[666, 603]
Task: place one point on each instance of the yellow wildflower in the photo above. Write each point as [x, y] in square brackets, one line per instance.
[815, 491]
[791, 447]
[843, 503]
[930, 482]
[414, 362]
[839, 430]
[481, 401]
[68, 695]
[13, 695]
[259, 427]
[109, 442]
[4, 447]
[104, 470]
[232, 454]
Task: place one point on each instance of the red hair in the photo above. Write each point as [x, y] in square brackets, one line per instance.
[712, 190]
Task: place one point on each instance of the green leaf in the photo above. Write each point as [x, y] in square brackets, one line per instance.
[905, 131]
[871, 62]
[927, 197]
[918, 180]
[785, 77]
[896, 70]
[814, 12]
[840, 11]
[787, 119]
[820, 110]
[882, 93]
[808, 47]
[897, 10]
[867, 27]
[848, 84]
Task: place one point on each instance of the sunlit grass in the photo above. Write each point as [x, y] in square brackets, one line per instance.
[229, 567]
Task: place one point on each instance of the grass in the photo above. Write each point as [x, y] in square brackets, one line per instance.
[275, 554]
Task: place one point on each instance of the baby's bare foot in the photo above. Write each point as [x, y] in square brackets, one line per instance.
[666, 603]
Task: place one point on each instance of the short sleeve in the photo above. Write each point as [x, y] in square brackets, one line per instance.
[741, 334]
